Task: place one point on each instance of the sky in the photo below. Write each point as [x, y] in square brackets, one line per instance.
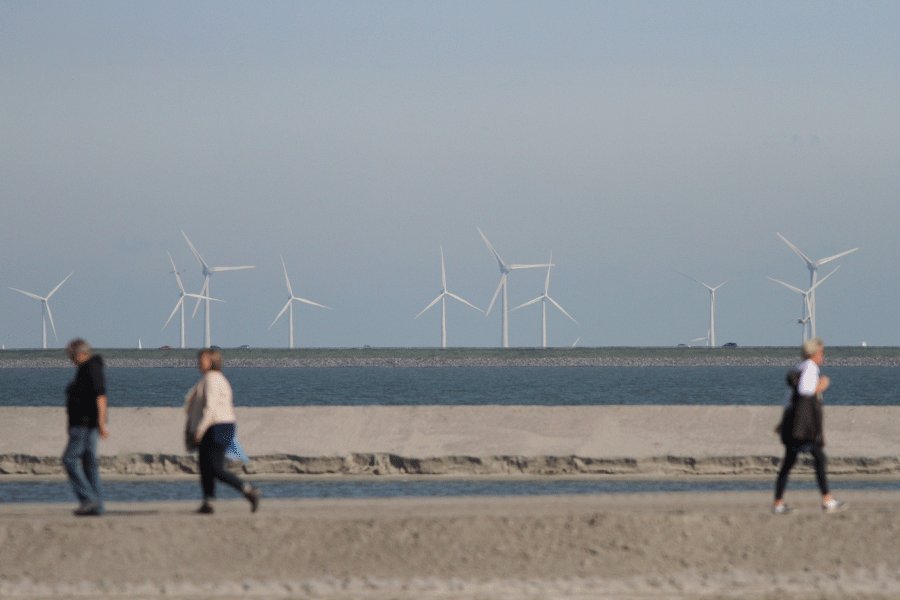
[635, 141]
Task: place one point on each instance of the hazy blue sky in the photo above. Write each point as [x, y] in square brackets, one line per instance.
[631, 139]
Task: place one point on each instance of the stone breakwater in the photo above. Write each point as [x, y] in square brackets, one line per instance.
[688, 361]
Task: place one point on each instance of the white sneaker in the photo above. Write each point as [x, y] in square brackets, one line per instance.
[781, 509]
[833, 505]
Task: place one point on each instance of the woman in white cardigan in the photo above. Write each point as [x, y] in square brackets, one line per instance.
[210, 429]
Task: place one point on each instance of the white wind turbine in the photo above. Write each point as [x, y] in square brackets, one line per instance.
[204, 291]
[45, 309]
[813, 266]
[504, 271]
[290, 306]
[443, 298]
[711, 342]
[181, 297]
[543, 299]
[808, 316]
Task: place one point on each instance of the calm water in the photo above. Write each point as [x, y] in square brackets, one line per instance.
[547, 386]
[152, 491]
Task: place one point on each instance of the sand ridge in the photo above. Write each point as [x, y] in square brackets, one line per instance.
[466, 440]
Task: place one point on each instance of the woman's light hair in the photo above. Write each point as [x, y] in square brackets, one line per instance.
[811, 346]
[215, 358]
[76, 347]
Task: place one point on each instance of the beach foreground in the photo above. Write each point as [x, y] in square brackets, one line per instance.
[677, 546]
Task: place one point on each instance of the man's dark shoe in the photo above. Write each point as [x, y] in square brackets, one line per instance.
[253, 495]
[205, 509]
[88, 509]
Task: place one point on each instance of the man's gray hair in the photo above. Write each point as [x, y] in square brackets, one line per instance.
[78, 346]
[811, 346]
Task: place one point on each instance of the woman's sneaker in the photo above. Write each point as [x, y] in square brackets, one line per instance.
[833, 505]
[781, 509]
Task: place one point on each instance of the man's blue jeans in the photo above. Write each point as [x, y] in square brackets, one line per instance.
[82, 464]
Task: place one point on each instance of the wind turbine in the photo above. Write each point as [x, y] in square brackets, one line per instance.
[181, 297]
[703, 339]
[204, 291]
[290, 306]
[808, 318]
[443, 298]
[45, 309]
[813, 266]
[543, 299]
[504, 271]
[712, 309]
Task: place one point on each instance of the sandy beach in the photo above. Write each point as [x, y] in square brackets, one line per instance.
[673, 546]
[716, 545]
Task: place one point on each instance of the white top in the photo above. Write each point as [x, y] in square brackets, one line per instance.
[209, 403]
[809, 380]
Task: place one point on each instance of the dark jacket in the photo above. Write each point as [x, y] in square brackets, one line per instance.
[802, 420]
[82, 393]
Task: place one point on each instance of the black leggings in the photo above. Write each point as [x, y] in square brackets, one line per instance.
[212, 464]
[790, 457]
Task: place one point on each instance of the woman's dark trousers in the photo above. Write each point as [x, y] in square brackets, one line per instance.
[790, 457]
[212, 460]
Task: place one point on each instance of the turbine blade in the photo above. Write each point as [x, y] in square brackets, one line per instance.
[281, 313]
[217, 269]
[201, 297]
[443, 272]
[50, 314]
[59, 286]
[576, 342]
[305, 301]
[529, 302]
[433, 302]
[177, 304]
[494, 252]
[35, 296]
[698, 281]
[511, 267]
[502, 281]
[830, 258]
[194, 250]
[798, 290]
[286, 280]
[464, 301]
[177, 278]
[808, 262]
[824, 278]
[547, 281]
[556, 304]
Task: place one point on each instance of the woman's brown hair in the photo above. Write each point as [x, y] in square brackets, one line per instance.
[215, 358]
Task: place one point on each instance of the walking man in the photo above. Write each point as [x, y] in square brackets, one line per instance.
[86, 409]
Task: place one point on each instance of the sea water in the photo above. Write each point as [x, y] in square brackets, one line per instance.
[452, 386]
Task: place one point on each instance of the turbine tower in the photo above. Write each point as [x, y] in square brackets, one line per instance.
[204, 291]
[45, 309]
[290, 307]
[813, 266]
[443, 298]
[712, 308]
[504, 271]
[543, 299]
[181, 297]
[808, 316]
